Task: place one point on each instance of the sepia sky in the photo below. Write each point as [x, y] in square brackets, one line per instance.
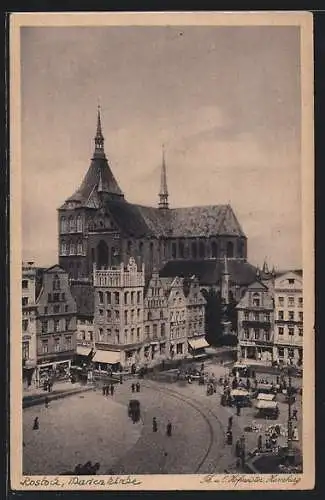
[224, 100]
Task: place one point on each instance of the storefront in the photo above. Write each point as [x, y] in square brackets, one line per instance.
[84, 354]
[29, 372]
[197, 346]
[56, 370]
[107, 360]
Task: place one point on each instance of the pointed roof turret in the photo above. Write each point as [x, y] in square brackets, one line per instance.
[99, 138]
[99, 177]
[265, 267]
[163, 193]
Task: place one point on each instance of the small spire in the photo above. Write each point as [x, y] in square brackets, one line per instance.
[99, 138]
[265, 267]
[163, 194]
[225, 269]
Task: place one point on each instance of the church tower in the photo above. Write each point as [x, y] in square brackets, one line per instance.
[163, 193]
[84, 213]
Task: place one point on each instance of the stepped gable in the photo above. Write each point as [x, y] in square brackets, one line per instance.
[209, 271]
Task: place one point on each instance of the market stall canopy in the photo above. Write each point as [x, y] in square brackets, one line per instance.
[239, 392]
[265, 397]
[198, 343]
[83, 351]
[110, 357]
[240, 366]
[264, 387]
[269, 405]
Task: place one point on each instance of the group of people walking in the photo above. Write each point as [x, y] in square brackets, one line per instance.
[169, 427]
[108, 390]
[135, 387]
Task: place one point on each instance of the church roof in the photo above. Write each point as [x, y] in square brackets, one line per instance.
[209, 271]
[141, 221]
[98, 173]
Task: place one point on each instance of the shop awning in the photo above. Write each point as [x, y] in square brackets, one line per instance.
[198, 343]
[83, 351]
[262, 405]
[110, 357]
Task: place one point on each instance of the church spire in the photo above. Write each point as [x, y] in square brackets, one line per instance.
[99, 138]
[163, 194]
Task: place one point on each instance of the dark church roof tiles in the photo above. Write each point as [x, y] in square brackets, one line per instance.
[209, 271]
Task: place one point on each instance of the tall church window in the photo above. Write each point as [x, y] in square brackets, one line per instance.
[151, 252]
[181, 249]
[201, 249]
[214, 250]
[80, 247]
[241, 248]
[72, 249]
[72, 224]
[63, 248]
[63, 224]
[141, 248]
[102, 254]
[174, 250]
[79, 224]
[194, 250]
[230, 249]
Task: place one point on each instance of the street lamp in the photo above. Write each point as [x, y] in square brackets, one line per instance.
[290, 451]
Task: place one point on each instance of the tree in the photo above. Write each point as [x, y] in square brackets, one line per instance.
[213, 316]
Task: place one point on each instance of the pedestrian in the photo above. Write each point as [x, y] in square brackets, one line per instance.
[121, 379]
[169, 429]
[237, 448]
[154, 424]
[46, 401]
[248, 384]
[230, 422]
[229, 436]
[36, 424]
[133, 387]
[138, 386]
[238, 410]
[112, 389]
[94, 468]
[295, 414]
[259, 443]
[104, 390]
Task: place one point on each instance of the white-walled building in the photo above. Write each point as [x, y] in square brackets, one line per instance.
[288, 324]
[29, 354]
[255, 323]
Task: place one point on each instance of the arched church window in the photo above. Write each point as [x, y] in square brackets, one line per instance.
[63, 248]
[201, 249]
[79, 224]
[129, 248]
[80, 247]
[174, 250]
[181, 249]
[141, 248]
[72, 250]
[63, 225]
[102, 254]
[230, 249]
[72, 224]
[151, 252]
[214, 250]
[240, 248]
[194, 250]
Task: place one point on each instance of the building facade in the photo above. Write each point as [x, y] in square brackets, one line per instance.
[56, 324]
[156, 321]
[29, 354]
[118, 316]
[98, 225]
[255, 323]
[288, 327]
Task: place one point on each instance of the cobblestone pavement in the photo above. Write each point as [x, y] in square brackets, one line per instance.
[97, 428]
[74, 430]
